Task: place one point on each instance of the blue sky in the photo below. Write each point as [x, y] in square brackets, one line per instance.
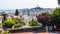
[19, 4]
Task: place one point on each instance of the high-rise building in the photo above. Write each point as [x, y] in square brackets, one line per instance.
[58, 2]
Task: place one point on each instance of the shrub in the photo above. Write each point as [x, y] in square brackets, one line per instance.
[33, 23]
[19, 22]
[8, 23]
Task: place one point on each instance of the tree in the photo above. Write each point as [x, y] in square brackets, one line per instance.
[8, 23]
[16, 12]
[56, 18]
[44, 19]
[56, 11]
[4, 16]
[33, 23]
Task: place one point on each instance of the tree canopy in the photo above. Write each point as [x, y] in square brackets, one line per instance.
[56, 17]
[56, 11]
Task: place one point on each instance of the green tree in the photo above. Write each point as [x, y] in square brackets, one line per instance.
[55, 20]
[33, 23]
[8, 23]
[56, 11]
[16, 12]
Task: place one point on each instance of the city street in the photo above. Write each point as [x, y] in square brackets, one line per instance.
[36, 33]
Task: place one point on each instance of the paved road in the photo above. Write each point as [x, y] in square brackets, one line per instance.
[54, 33]
[35, 33]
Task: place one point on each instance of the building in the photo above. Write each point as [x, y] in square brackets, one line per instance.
[1, 28]
[58, 2]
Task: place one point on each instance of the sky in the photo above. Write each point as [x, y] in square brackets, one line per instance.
[20, 4]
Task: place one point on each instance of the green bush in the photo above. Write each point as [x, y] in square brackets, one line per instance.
[19, 22]
[33, 23]
[8, 23]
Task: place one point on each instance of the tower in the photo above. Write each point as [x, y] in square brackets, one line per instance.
[37, 5]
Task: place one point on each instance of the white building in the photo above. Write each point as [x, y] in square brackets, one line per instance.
[27, 19]
[1, 28]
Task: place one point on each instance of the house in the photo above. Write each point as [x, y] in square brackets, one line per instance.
[1, 28]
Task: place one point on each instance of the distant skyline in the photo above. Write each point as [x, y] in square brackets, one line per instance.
[58, 2]
[20, 4]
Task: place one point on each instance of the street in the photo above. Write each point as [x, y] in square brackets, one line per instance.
[35, 33]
